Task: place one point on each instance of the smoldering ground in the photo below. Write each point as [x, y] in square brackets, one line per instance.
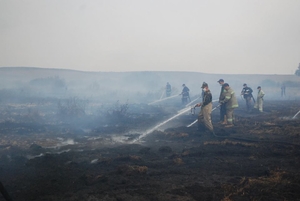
[68, 135]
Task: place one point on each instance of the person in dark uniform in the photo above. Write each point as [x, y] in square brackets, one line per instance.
[168, 90]
[283, 90]
[185, 94]
[222, 106]
[247, 94]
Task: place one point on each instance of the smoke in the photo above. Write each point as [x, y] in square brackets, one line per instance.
[104, 101]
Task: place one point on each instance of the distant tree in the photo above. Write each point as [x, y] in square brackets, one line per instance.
[298, 71]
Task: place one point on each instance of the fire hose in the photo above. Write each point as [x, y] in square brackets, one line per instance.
[162, 99]
[253, 98]
[244, 139]
[193, 112]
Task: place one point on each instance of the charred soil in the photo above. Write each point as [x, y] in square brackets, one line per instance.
[257, 159]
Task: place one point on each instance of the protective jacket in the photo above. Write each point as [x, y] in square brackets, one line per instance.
[223, 106]
[259, 100]
[230, 99]
[247, 92]
[260, 94]
[206, 98]
[185, 91]
[168, 88]
[204, 116]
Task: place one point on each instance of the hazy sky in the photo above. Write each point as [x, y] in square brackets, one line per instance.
[211, 36]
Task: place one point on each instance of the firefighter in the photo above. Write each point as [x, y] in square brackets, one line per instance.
[204, 116]
[283, 90]
[168, 90]
[223, 106]
[259, 99]
[231, 103]
[247, 94]
[185, 94]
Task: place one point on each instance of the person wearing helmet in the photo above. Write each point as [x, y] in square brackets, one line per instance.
[283, 87]
[223, 106]
[168, 90]
[259, 99]
[185, 94]
[231, 103]
[247, 94]
[204, 116]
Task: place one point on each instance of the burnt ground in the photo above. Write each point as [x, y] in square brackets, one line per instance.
[44, 157]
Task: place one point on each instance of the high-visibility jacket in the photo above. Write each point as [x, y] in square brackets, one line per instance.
[260, 94]
[230, 99]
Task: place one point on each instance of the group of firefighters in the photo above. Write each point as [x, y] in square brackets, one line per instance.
[227, 103]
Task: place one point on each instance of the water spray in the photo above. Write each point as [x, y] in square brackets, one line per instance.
[162, 99]
[180, 112]
[192, 123]
[197, 119]
[190, 103]
[159, 125]
[187, 105]
[162, 94]
[296, 114]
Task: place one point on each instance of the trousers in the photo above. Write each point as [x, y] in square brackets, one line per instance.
[229, 115]
[204, 117]
[222, 112]
[259, 104]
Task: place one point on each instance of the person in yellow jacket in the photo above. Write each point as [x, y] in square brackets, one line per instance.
[223, 106]
[259, 99]
[231, 103]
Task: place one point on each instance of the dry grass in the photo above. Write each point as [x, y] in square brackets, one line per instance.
[229, 142]
[258, 188]
[178, 161]
[176, 135]
[130, 170]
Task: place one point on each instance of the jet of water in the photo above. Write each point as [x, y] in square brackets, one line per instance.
[197, 119]
[159, 125]
[162, 94]
[190, 103]
[180, 112]
[296, 114]
[162, 99]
